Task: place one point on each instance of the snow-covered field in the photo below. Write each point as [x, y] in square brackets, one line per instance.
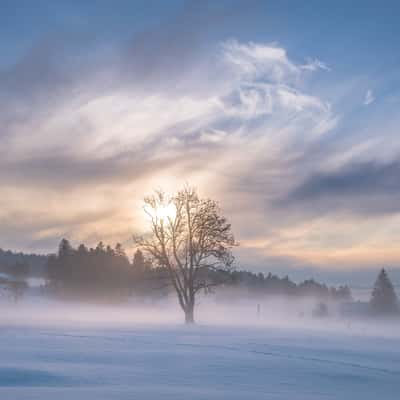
[171, 361]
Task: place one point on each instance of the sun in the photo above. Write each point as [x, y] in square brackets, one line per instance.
[162, 212]
[166, 211]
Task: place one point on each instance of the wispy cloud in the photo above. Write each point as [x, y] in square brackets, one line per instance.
[314, 65]
[84, 139]
[369, 97]
[365, 188]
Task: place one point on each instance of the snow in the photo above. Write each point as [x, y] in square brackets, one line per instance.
[171, 361]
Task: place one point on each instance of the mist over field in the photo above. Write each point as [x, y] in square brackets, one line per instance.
[82, 351]
[260, 314]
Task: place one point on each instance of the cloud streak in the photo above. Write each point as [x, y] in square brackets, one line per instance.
[367, 188]
[369, 98]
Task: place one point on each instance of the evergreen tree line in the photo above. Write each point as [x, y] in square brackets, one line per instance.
[107, 272]
[102, 271]
[35, 263]
[274, 285]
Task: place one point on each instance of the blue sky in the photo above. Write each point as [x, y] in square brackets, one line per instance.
[361, 33]
[286, 112]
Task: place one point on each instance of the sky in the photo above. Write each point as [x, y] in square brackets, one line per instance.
[284, 112]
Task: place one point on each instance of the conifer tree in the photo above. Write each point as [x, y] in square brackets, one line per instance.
[384, 299]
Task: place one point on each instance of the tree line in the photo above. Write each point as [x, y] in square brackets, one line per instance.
[100, 272]
[36, 263]
[260, 284]
[107, 272]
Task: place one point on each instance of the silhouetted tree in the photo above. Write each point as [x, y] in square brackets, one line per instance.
[65, 249]
[191, 240]
[384, 299]
[138, 262]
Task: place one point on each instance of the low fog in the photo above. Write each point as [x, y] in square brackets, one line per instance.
[245, 343]
[264, 314]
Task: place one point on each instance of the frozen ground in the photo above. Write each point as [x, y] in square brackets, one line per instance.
[201, 362]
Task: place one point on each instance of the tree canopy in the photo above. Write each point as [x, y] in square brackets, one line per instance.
[191, 239]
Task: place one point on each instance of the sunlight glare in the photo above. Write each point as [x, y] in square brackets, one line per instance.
[162, 212]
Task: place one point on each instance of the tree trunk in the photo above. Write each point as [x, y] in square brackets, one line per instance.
[189, 314]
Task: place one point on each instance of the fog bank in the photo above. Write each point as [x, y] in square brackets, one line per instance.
[264, 314]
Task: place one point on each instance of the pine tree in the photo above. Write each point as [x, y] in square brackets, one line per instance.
[384, 299]
[64, 248]
[138, 262]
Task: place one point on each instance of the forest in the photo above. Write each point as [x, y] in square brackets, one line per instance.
[107, 272]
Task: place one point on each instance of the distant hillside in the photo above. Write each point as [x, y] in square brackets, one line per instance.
[37, 263]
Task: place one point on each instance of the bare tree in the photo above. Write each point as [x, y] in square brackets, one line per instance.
[191, 240]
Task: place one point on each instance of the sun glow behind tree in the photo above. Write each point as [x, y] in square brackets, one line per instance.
[161, 212]
[191, 240]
